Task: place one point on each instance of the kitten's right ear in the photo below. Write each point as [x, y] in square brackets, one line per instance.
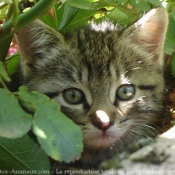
[36, 42]
[149, 32]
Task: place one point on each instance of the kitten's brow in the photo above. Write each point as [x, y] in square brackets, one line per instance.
[51, 94]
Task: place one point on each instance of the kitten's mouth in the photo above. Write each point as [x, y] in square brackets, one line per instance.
[101, 139]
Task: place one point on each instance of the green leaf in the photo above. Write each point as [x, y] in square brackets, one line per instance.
[14, 121]
[141, 5]
[31, 100]
[68, 15]
[23, 154]
[118, 16]
[59, 136]
[122, 1]
[81, 19]
[155, 2]
[3, 73]
[49, 20]
[169, 47]
[12, 64]
[58, 13]
[86, 5]
[172, 14]
[102, 5]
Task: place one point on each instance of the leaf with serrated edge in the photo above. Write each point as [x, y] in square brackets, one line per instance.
[33, 97]
[59, 136]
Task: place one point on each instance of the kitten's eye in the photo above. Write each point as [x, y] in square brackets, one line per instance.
[73, 96]
[125, 92]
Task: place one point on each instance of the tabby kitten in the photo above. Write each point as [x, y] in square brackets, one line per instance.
[109, 81]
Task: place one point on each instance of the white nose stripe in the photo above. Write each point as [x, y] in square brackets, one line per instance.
[102, 116]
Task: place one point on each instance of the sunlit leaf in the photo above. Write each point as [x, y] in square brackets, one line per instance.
[118, 16]
[59, 136]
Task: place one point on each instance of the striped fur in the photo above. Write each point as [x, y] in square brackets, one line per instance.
[98, 60]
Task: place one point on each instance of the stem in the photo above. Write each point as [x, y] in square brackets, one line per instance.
[3, 84]
[14, 17]
[5, 45]
[36, 11]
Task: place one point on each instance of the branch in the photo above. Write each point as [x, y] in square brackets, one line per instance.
[36, 11]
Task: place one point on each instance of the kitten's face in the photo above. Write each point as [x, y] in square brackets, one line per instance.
[110, 77]
[109, 82]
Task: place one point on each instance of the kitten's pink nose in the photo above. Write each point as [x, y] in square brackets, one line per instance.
[101, 120]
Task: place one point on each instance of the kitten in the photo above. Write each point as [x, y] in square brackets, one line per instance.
[109, 81]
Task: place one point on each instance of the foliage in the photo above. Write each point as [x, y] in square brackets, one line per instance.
[58, 136]
[27, 157]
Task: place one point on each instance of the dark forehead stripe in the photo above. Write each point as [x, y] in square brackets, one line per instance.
[147, 87]
[95, 50]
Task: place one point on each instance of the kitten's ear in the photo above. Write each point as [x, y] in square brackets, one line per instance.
[36, 44]
[150, 31]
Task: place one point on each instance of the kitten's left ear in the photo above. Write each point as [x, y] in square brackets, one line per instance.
[37, 43]
[150, 31]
